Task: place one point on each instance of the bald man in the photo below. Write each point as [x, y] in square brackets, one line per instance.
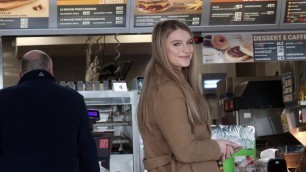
[44, 127]
[34, 60]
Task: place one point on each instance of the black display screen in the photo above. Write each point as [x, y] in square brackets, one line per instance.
[93, 115]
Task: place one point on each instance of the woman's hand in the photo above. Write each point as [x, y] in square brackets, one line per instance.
[226, 148]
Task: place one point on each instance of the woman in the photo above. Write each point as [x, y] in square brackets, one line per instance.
[302, 165]
[172, 115]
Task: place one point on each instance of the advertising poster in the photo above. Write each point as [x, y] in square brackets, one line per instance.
[295, 11]
[240, 12]
[280, 47]
[147, 13]
[24, 14]
[91, 13]
[227, 48]
[241, 135]
[244, 163]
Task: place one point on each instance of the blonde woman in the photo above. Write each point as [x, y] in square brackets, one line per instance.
[172, 115]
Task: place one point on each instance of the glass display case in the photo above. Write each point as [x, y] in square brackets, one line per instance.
[118, 115]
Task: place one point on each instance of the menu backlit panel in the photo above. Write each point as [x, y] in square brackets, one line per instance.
[295, 11]
[91, 13]
[147, 14]
[288, 89]
[242, 12]
[31, 14]
[227, 48]
[279, 47]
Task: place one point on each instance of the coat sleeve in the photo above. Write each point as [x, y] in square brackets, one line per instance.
[302, 164]
[173, 122]
[88, 160]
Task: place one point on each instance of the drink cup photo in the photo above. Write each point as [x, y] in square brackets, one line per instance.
[211, 55]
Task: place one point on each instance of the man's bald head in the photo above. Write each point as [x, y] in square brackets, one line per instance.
[34, 60]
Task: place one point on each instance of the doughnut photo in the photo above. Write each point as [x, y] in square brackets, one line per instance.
[219, 42]
[227, 48]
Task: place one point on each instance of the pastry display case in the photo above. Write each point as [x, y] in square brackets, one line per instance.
[118, 115]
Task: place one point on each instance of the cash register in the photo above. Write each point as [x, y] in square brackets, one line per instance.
[94, 116]
[103, 140]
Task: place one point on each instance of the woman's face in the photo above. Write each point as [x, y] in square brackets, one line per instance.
[179, 46]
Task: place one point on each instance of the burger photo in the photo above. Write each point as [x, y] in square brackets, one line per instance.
[10, 4]
[153, 6]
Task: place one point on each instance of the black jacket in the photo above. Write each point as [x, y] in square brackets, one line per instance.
[44, 128]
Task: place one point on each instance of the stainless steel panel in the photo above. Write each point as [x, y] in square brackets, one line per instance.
[266, 121]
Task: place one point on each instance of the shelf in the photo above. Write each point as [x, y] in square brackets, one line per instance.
[120, 139]
[112, 124]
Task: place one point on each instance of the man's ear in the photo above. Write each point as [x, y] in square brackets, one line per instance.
[50, 70]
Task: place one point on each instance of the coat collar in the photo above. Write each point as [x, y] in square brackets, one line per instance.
[36, 74]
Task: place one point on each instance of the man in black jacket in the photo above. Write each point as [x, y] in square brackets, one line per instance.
[44, 127]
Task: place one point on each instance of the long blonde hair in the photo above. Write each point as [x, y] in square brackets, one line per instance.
[185, 79]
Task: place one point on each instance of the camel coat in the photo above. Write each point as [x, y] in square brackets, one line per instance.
[173, 145]
[302, 165]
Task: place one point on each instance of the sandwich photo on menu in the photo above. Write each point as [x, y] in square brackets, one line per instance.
[10, 4]
[153, 6]
[240, 53]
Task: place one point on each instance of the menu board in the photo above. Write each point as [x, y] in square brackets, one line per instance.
[279, 47]
[295, 11]
[288, 90]
[148, 13]
[240, 12]
[227, 48]
[91, 13]
[27, 14]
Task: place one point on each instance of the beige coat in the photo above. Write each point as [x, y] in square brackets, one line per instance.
[302, 165]
[173, 141]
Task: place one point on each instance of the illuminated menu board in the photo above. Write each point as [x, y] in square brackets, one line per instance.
[288, 89]
[148, 13]
[227, 48]
[279, 47]
[239, 12]
[91, 13]
[29, 14]
[295, 11]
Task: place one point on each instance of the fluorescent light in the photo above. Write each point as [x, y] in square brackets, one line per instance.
[72, 40]
[212, 83]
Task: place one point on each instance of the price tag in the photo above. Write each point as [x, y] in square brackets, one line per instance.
[119, 86]
[103, 144]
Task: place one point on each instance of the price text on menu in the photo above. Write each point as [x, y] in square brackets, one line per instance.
[24, 14]
[279, 47]
[91, 16]
[238, 12]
